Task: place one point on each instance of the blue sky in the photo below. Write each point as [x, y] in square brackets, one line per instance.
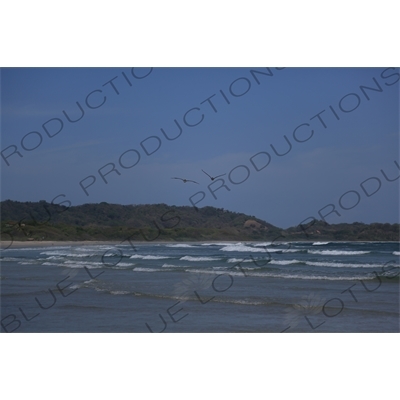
[314, 173]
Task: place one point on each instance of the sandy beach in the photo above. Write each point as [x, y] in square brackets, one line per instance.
[21, 244]
[4, 245]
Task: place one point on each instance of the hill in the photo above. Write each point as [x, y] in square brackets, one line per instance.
[103, 221]
[44, 221]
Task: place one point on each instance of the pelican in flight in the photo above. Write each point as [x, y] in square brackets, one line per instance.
[211, 177]
[186, 180]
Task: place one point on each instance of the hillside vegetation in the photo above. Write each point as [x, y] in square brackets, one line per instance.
[45, 221]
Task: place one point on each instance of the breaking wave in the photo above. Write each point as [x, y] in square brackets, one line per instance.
[149, 257]
[189, 258]
[337, 252]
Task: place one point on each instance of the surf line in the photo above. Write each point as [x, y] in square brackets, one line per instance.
[340, 305]
[216, 288]
[5, 324]
[129, 238]
[310, 221]
[13, 317]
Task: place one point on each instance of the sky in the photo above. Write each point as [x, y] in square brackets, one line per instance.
[292, 143]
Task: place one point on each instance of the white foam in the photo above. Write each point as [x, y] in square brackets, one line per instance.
[313, 277]
[139, 269]
[119, 292]
[337, 252]
[324, 264]
[189, 258]
[179, 245]
[342, 265]
[148, 257]
[320, 243]
[241, 268]
[48, 263]
[214, 244]
[262, 244]
[80, 264]
[244, 302]
[32, 262]
[64, 254]
[243, 248]
[396, 253]
[83, 262]
[43, 248]
[169, 266]
[86, 248]
[269, 250]
[213, 272]
[55, 253]
[176, 266]
[285, 276]
[285, 262]
[76, 286]
[95, 247]
[97, 289]
[239, 260]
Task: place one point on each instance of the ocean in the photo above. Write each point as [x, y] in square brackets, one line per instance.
[202, 287]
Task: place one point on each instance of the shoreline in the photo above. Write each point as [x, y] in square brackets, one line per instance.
[50, 243]
[26, 243]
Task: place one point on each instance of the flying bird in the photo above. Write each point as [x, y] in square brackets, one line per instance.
[211, 177]
[186, 180]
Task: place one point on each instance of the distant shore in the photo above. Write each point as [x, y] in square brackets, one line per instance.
[28, 243]
[20, 244]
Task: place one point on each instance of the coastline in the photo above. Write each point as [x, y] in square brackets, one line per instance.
[26, 243]
[22, 244]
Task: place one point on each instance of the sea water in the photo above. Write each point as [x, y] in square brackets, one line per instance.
[202, 287]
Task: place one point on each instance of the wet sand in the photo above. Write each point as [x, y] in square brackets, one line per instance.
[21, 244]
